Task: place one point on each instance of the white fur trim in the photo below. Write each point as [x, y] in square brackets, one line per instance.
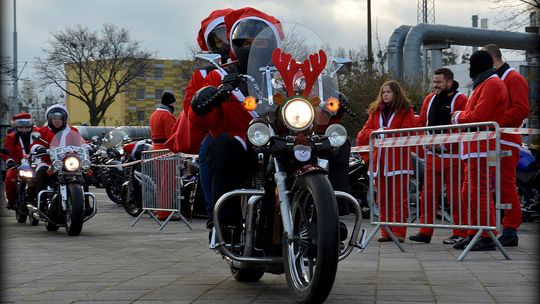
[211, 26]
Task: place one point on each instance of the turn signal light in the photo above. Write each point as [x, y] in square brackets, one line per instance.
[332, 104]
[250, 103]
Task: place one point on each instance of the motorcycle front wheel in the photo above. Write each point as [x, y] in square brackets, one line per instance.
[74, 215]
[114, 194]
[131, 204]
[311, 255]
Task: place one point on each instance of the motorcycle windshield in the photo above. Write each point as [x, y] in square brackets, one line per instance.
[270, 88]
[67, 137]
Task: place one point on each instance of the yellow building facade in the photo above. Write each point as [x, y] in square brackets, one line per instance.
[140, 97]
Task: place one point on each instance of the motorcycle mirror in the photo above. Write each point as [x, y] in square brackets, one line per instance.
[340, 65]
[35, 135]
[214, 59]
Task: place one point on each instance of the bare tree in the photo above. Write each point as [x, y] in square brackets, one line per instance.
[92, 67]
[515, 12]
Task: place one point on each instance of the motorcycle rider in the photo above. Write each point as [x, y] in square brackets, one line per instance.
[186, 138]
[17, 144]
[230, 158]
[57, 117]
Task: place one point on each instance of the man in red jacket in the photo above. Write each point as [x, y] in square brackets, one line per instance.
[17, 144]
[488, 102]
[161, 127]
[516, 111]
[443, 162]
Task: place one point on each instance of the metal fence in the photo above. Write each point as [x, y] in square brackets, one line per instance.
[453, 187]
[161, 186]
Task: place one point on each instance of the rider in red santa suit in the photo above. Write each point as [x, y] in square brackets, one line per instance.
[17, 144]
[57, 117]
[215, 108]
[516, 112]
[187, 138]
[224, 116]
[487, 102]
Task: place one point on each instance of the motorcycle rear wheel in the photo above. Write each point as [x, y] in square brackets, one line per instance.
[311, 257]
[75, 214]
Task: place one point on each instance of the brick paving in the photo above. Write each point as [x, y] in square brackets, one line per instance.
[111, 262]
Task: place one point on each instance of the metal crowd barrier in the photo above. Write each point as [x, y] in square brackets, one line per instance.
[161, 185]
[466, 154]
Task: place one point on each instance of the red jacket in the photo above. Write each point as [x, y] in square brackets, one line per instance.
[161, 126]
[230, 117]
[459, 101]
[47, 136]
[14, 145]
[488, 102]
[186, 137]
[518, 106]
[394, 161]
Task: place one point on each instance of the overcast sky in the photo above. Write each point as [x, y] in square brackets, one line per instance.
[167, 27]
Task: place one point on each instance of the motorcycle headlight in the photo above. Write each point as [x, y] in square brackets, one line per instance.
[85, 164]
[26, 173]
[58, 165]
[72, 163]
[258, 134]
[336, 134]
[298, 114]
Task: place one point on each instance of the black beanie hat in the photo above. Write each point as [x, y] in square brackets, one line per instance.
[480, 61]
[167, 98]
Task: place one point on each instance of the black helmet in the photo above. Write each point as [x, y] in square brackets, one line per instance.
[243, 35]
[218, 43]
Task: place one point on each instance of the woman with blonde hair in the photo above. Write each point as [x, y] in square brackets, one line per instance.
[390, 110]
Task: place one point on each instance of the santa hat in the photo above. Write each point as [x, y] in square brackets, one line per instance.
[22, 119]
[233, 18]
[208, 24]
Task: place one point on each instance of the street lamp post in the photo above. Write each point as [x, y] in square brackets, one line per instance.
[15, 104]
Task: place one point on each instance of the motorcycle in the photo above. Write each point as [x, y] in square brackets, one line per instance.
[290, 222]
[193, 204]
[131, 192]
[25, 175]
[528, 183]
[62, 204]
[106, 171]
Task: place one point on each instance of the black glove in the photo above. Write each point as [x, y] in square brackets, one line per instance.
[229, 82]
[41, 150]
[207, 99]
[10, 164]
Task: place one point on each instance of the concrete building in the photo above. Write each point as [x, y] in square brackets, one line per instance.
[140, 97]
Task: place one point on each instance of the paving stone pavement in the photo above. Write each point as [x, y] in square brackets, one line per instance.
[111, 262]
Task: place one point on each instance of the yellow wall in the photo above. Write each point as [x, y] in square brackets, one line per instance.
[127, 108]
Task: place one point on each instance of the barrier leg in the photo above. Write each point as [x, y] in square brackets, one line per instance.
[470, 245]
[393, 237]
[501, 248]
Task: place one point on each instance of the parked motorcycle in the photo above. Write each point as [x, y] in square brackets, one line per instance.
[528, 183]
[106, 172]
[290, 221]
[131, 192]
[62, 204]
[193, 204]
